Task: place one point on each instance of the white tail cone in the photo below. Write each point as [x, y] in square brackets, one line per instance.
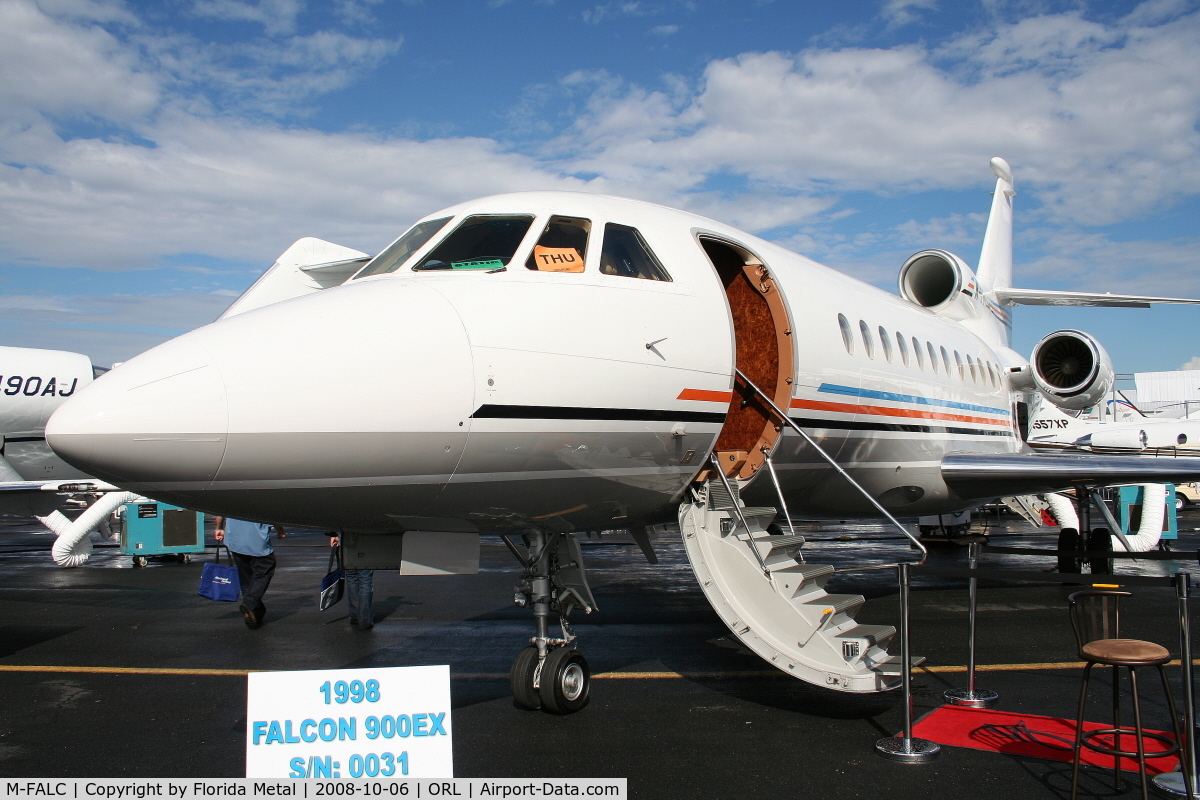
[73, 547]
[1063, 511]
[1154, 506]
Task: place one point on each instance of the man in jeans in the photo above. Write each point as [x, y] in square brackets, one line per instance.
[360, 586]
[250, 545]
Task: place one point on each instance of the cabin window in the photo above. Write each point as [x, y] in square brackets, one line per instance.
[946, 360]
[991, 374]
[933, 362]
[847, 333]
[626, 253]
[394, 256]
[886, 341]
[903, 345]
[562, 246]
[918, 353]
[958, 362]
[971, 367]
[868, 343]
[484, 242]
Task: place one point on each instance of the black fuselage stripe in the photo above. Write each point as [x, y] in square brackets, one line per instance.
[661, 415]
[845, 425]
[619, 414]
[24, 438]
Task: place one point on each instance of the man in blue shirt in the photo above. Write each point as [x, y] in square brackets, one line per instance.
[250, 545]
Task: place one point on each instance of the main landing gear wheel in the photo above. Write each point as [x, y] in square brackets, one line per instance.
[520, 678]
[566, 681]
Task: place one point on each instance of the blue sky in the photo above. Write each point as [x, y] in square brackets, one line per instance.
[155, 157]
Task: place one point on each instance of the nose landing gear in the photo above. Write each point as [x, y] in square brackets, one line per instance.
[550, 673]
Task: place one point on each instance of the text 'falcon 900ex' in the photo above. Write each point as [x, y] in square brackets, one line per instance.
[540, 363]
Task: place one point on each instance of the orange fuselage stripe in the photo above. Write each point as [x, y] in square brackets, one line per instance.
[705, 395]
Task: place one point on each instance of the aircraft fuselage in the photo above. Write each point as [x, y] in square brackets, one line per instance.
[453, 397]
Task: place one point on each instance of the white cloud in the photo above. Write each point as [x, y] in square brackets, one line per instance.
[1091, 261]
[904, 12]
[628, 8]
[72, 70]
[1101, 119]
[943, 232]
[664, 30]
[276, 16]
[1194, 363]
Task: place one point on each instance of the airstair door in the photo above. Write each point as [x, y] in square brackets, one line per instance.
[763, 353]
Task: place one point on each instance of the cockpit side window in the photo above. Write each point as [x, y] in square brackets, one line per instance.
[562, 246]
[626, 253]
[484, 242]
[391, 259]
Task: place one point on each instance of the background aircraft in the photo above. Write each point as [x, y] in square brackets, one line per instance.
[34, 481]
[539, 363]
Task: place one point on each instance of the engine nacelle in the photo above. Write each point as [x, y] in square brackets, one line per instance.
[1071, 369]
[941, 282]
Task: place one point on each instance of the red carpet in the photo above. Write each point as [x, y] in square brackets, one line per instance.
[1002, 732]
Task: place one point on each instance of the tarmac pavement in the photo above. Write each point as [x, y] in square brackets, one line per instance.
[676, 707]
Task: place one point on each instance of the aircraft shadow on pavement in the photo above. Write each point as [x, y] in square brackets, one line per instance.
[14, 638]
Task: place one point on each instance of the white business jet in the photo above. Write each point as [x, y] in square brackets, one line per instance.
[1050, 428]
[34, 481]
[539, 363]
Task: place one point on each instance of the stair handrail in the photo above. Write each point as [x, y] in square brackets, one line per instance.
[787, 515]
[787, 420]
[737, 509]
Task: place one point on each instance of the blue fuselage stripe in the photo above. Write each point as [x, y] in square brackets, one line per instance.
[832, 388]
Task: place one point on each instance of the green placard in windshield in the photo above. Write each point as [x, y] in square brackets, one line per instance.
[490, 263]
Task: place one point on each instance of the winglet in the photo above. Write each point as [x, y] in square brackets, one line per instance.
[995, 259]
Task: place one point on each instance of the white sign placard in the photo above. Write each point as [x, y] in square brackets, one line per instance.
[391, 722]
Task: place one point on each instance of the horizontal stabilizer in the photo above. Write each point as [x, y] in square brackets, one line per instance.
[78, 485]
[978, 476]
[1046, 297]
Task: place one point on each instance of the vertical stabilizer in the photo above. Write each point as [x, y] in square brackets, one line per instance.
[995, 260]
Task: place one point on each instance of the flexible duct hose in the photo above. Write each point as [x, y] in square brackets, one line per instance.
[73, 547]
[1063, 510]
[1154, 506]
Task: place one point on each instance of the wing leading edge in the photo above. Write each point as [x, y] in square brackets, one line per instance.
[979, 476]
[1047, 297]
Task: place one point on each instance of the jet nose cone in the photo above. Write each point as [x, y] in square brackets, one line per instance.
[161, 416]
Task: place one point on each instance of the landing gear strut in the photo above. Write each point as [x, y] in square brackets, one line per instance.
[550, 673]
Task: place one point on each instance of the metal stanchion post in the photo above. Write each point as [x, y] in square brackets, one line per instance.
[906, 748]
[972, 697]
[1183, 783]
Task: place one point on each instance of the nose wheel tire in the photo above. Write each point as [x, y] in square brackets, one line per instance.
[566, 682]
[520, 678]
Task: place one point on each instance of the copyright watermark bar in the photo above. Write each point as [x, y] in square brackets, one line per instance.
[210, 788]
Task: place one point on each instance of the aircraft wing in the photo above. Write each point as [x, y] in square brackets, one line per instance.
[978, 476]
[1046, 297]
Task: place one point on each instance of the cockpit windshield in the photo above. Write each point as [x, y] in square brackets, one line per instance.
[391, 259]
[484, 242]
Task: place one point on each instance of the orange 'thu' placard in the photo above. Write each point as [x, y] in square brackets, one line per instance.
[557, 259]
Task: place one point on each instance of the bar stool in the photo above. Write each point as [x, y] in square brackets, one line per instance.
[1096, 619]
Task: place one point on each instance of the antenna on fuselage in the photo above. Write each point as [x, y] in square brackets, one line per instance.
[995, 259]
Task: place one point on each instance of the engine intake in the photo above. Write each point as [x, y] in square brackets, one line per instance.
[940, 281]
[1071, 369]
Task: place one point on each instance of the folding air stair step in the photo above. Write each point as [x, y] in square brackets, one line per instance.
[775, 603]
